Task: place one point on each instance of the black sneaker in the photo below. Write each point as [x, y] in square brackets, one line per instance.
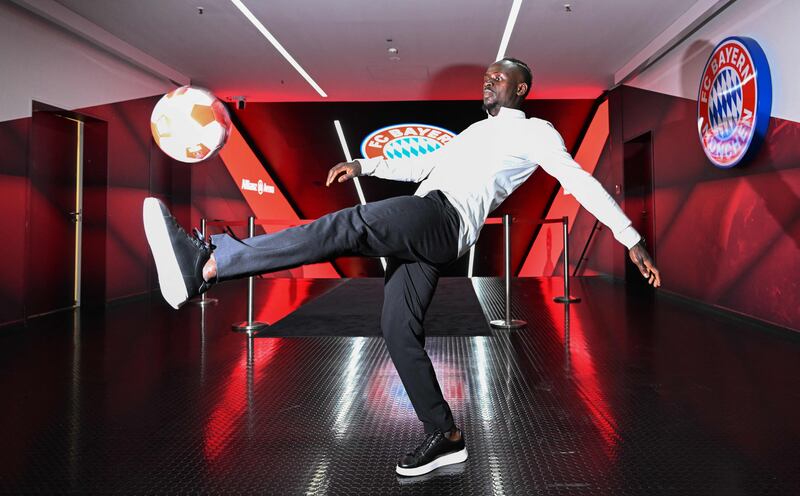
[179, 257]
[436, 451]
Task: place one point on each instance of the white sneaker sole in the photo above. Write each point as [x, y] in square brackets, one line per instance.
[449, 459]
[170, 278]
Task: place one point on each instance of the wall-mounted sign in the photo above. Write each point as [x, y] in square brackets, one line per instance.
[734, 101]
[259, 187]
[405, 141]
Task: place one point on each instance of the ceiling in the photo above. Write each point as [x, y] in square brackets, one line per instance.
[443, 45]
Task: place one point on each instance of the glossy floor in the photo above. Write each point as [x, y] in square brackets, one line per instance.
[627, 393]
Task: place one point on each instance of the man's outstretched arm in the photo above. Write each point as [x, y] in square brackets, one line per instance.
[556, 161]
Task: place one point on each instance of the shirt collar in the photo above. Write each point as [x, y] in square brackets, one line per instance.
[508, 113]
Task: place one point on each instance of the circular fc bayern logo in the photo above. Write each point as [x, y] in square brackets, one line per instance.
[405, 141]
[734, 101]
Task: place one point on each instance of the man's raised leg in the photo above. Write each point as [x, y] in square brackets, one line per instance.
[408, 227]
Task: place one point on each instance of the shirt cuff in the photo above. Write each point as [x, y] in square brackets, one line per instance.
[368, 165]
[628, 237]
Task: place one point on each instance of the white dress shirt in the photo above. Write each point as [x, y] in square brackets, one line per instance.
[484, 164]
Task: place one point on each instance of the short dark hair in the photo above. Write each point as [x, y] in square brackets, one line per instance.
[527, 75]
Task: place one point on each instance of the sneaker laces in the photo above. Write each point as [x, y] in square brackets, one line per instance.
[426, 444]
[196, 237]
[180, 229]
[198, 240]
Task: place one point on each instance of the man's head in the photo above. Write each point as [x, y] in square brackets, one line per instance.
[505, 84]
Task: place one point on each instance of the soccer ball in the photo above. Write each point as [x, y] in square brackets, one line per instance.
[190, 124]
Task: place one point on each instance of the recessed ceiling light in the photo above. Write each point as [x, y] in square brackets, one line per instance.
[265, 32]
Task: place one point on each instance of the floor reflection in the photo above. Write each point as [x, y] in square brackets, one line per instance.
[234, 410]
[580, 367]
[617, 394]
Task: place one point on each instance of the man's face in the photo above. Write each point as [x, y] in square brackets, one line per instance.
[503, 86]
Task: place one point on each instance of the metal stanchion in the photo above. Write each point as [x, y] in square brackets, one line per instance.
[566, 298]
[202, 344]
[251, 365]
[508, 323]
[567, 351]
[202, 300]
[249, 326]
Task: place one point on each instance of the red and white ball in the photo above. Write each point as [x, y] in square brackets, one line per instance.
[190, 124]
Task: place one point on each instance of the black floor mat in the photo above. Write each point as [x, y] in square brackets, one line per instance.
[353, 309]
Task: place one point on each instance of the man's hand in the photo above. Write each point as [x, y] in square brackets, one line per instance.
[644, 263]
[344, 170]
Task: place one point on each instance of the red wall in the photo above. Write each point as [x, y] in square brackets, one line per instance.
[297, 142]
[134, 169]
[729, 238]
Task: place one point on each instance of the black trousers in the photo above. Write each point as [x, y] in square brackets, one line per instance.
[418, 235]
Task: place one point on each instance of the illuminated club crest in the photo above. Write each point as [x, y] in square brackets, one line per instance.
[734, 101]
[405, 141]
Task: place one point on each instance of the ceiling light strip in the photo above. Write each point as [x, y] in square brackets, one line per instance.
[349, 158]
[265, 32]
[512, 19]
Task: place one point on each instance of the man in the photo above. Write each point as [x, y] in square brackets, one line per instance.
[461, 184]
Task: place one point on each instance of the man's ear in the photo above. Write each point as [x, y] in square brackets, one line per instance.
[522, 88]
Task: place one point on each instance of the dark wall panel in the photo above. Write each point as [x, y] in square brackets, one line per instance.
[136, 169]
[118, 176]
[129, 179]
[14, 136]
[50, 251]
[95, 212]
